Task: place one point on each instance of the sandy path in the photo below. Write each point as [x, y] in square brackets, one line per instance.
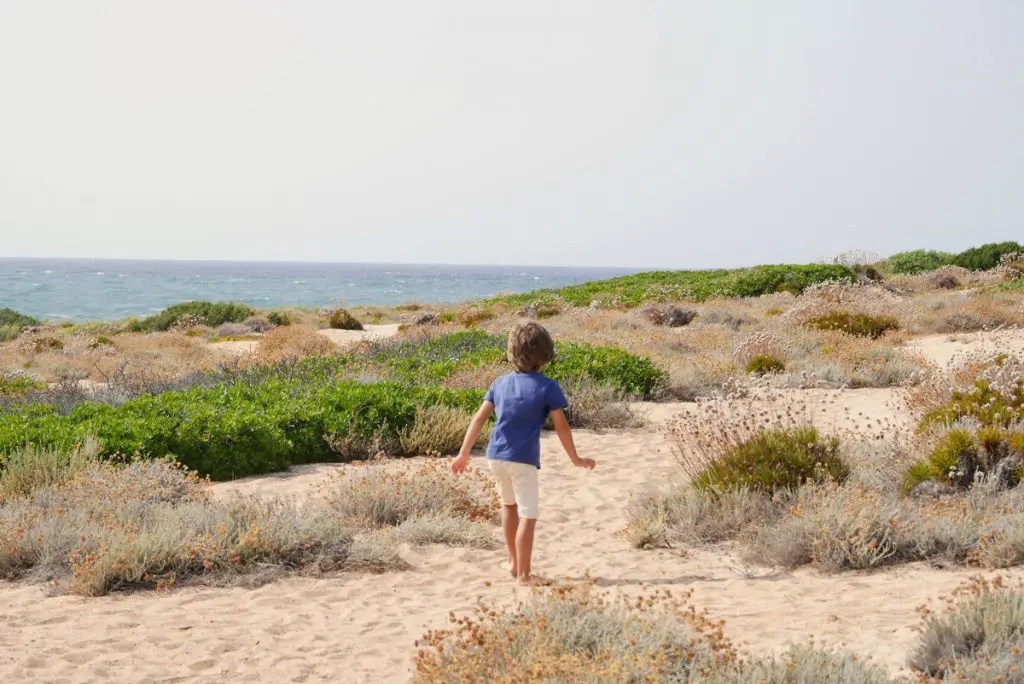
[952, 351]
[361, 628]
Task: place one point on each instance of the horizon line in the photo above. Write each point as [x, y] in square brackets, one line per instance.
[332, 263]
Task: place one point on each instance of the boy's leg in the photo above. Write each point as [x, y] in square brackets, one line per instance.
[527, 491]
[524, 547]
[509, 510]
[510, 525]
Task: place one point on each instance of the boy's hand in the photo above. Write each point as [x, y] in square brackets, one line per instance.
[587, 463]
[460, 464]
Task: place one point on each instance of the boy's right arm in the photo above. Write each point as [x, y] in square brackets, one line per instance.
[564, 433]
[476, 426]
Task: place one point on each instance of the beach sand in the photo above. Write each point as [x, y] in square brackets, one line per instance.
[362, 628]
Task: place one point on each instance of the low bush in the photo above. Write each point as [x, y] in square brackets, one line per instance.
[687, 515]
[9, 332]
[437, 430]
[473, 316]
[432, 359]
[293, 343]
[239, 429]
[919, 261]
[996, 398]
[191, 314]
[765, 365]
[979, 638]
[279, 318]
[986, 256]
[834, 528]
[340, 319]
[153, 524]
[774, 460]
[577, 634]
[594, 406]
[382, 496]
[857, 324]
[13, 319]
[441, 528]
[961, 457]
[669, 316]
[101, 341]
[31, 468]
[17, 385]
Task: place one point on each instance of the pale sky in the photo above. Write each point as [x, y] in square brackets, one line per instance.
[638, 134]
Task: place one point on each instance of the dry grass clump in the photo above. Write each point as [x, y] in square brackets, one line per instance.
[381, 495]
[595, 407]
[26, 470]
[573, 634]
[153, 524]
[576, 634]
[871, 299]
[979, 638]
[858, 526]
[685, 515]
[292, 342]
[437, 430]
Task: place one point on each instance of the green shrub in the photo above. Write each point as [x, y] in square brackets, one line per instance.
[239, 429]
[10, 317]
[210, 314]
[986, 256]
[860, 325]
[279, 318]
[919, 261]
[340, 319]
[609, 366]
[101, 341]
[18, 385]
[765, 365]
[942, 464]
[776, 459]
[989, 405]
[9, 332]
[660, 286]
[436, 358]
[960, 455]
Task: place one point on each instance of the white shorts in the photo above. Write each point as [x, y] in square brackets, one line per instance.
[517, 486]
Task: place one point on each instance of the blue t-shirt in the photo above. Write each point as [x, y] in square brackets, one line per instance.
[522, 402]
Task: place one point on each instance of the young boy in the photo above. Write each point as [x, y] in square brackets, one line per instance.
[522, 400]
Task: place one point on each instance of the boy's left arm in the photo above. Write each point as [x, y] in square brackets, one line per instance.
[476, 426]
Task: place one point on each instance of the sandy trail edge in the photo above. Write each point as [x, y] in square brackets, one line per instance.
[361, 628]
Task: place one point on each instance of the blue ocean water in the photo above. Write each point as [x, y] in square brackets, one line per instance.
[101, 289]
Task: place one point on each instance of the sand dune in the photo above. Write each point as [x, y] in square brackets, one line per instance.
[362, 628]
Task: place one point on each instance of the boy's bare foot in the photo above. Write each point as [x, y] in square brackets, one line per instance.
[525, 581]
[513, 568]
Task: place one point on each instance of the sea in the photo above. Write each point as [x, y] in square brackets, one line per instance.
[82, 290]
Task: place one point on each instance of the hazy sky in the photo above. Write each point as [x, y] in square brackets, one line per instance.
[636, 133]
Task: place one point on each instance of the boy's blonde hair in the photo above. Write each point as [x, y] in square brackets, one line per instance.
[530, 347]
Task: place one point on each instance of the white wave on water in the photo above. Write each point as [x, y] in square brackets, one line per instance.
[100, 273]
